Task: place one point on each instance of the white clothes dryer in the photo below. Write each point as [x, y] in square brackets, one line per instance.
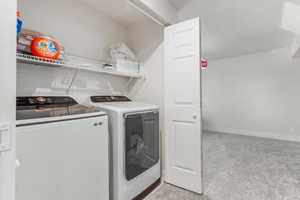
[134, 145]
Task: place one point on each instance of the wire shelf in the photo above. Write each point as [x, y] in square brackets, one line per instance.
[39, 61]
[74, 63]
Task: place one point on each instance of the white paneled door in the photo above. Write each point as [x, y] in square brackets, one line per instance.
[183, 105]
[7, 97]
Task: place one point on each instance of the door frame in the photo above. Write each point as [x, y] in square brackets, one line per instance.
[8, 10]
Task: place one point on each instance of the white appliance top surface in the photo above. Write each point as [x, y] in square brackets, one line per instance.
[45, 109]
[58, 119]
[126, 106]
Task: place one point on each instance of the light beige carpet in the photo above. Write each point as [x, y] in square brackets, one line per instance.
[244, 168]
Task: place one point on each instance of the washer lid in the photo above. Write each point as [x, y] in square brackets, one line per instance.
[126, 106]
[47, 107]
[120, 104]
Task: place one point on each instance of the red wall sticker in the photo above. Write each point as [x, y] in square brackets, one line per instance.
[204, 64]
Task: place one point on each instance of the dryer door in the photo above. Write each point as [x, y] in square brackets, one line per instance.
[142, 143]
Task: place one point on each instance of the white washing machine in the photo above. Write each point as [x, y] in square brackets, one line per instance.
[62, 150]
[135, 145]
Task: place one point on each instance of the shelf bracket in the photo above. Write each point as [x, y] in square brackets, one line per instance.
[72, 80]
[129, 82]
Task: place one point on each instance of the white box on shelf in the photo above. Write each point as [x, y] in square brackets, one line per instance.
[127, 66]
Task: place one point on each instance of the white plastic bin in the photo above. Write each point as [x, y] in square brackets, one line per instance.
[127, 66]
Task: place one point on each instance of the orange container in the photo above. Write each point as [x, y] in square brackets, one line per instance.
[45, 48]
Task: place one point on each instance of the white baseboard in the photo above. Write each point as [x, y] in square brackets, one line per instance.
[271, 135]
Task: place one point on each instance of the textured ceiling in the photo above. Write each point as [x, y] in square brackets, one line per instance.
[120, 10]
[179, 3]
[229, 28]
[237, 27]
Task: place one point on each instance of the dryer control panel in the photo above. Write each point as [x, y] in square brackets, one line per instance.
[102, 99]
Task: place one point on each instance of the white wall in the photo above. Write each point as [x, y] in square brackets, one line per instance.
[84, 32]
[81, 29]
[256, 94]
[34, 80]
[146, 40]
[87, 84]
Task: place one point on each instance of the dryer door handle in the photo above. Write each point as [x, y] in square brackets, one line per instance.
[126, 115]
